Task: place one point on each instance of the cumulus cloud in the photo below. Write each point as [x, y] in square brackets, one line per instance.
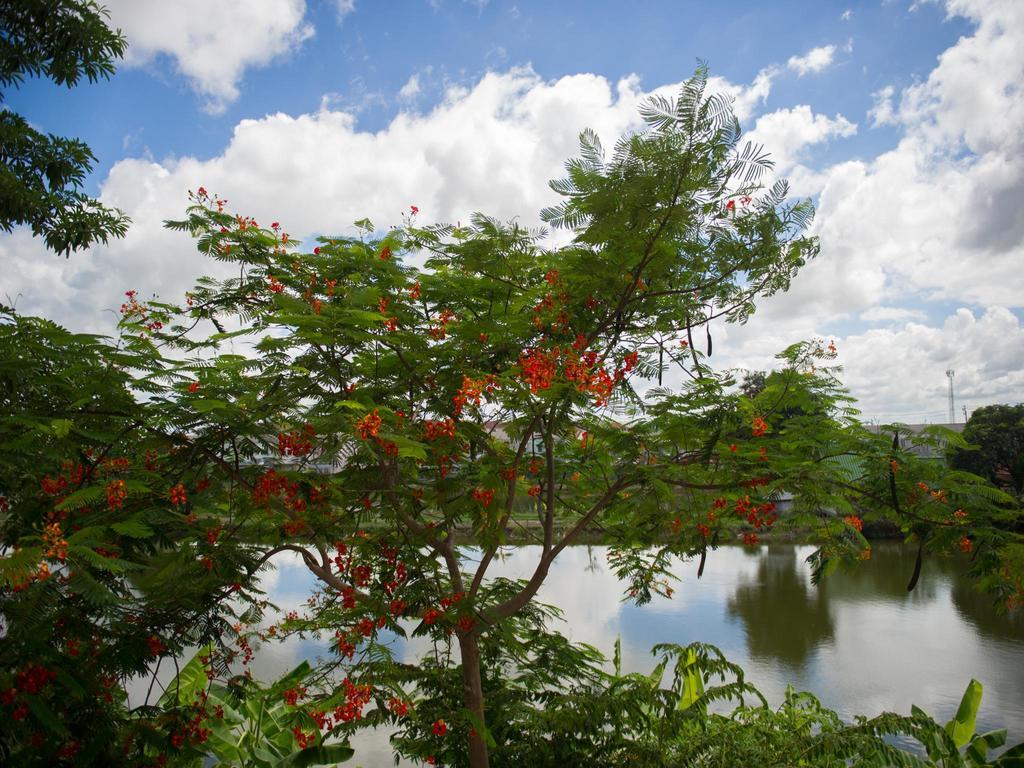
[881, 112]
[746, 98]
[938, 213]
[410, 89]
[213, 44]
[891, 314]
[491, 148]
[814, 61]
[933, 218]
[786, 132]
[899, 372]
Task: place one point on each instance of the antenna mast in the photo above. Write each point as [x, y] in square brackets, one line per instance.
[952, 412]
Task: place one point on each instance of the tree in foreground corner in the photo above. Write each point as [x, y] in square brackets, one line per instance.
[41, 175]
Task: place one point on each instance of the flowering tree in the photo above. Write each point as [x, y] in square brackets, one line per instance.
[496, 389]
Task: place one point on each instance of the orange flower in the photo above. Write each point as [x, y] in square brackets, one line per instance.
[369, 425]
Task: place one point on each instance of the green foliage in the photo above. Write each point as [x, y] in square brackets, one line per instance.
[387, 411]
[995, 434]
[41, 175]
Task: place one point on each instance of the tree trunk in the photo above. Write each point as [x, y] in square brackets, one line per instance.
[473, 697]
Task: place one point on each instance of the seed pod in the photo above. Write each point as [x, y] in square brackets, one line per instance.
[707, 329]
[917, 569]
[703, 559]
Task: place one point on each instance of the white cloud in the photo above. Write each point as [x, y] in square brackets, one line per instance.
[212, 44]
[786, 132]
[939, 213]
[344, 7]
[846, 15]
[814, 61]
[881, 112]
[891, 314]
[900, 372]
[746, 98]
[489, 148]
[411, 88]
[935, 217]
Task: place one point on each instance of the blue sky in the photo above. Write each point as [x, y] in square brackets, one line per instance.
[363, 59]
[898, 118]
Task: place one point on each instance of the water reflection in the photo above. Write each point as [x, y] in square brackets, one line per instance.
[859, 641]
[784, 617]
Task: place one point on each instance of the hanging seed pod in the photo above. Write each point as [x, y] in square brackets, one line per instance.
[708, 330]
[917, 568]
[703, 559]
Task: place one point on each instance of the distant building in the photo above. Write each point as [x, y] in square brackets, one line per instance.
[907, 443]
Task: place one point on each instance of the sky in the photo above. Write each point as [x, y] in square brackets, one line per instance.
[903, 120]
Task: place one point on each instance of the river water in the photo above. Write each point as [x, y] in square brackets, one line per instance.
[858, 641]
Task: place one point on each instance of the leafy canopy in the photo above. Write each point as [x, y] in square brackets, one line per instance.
[41, 175]
[371, 403]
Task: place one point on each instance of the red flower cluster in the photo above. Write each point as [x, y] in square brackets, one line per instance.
[966, 545]
[759, 426]
[156, 645]
[399, 707]
[440, 328]
[440, 728]
[369, 425]
[537, 368]
[433, 430]
[296, 443]
[854, 522]
[275, 285]
[472, 392]
[116, 494]
[304, 739]
[758, 515]
[178, 495]
[750, 539]
[31, 680]
[484, 495]
[57, 545]
[292, 695]
[356, 698]
[193, 387]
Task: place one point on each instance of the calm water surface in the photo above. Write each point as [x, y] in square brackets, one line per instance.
[859, 641]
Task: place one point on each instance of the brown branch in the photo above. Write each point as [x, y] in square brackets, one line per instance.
[517, 601]
[485, 561]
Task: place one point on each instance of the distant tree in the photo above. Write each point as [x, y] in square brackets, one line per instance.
[753, 383]
[998, 431]
[41, 175]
